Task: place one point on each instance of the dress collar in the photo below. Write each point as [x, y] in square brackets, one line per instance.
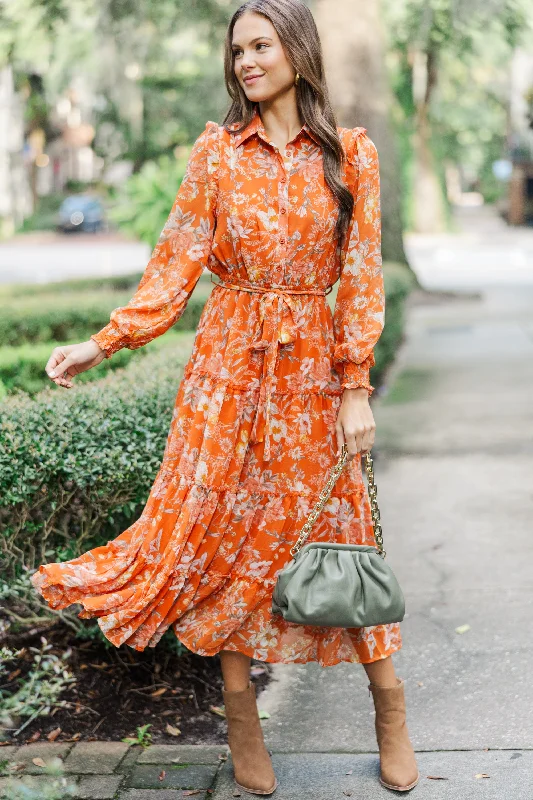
[256, 126]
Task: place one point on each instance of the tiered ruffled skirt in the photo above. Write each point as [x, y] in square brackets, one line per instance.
[219, 521]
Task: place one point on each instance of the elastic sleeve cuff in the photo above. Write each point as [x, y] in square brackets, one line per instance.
[106, 342]
[357, 375]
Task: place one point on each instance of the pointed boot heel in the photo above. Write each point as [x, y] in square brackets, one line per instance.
[253, 771]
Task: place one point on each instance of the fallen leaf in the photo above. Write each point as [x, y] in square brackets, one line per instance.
[38, 762]
[162, 775]
[73, 738]
[264, 715]
[236, 794]
[462, 629]
[420, 683]
[436, 778]
[34, 737]
[257, 670]
[52, 736]
[348, 794]
[172, 730]
[189, 792]
[218, 710]
[13, 767]
[350, 772]
[14, 674]
[481, 775]
[4, 744]
[159, 692]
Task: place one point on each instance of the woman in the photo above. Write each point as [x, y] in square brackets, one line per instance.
[274, 203]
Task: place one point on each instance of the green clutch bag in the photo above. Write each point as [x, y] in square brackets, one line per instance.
[339, 585]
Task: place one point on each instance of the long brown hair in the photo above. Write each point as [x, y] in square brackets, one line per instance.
[299, 37]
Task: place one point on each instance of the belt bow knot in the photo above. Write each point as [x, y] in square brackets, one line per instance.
[277, 315]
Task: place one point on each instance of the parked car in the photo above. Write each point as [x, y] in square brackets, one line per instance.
[81, 212]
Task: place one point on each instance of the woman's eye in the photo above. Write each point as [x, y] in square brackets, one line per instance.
[239, 52]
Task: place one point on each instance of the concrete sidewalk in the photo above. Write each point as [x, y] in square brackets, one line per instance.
[454, 473]
[453, 463]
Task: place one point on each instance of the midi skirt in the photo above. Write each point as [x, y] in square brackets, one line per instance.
[250, 446]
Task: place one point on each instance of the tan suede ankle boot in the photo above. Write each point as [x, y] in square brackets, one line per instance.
[398, 766]
[252, 767]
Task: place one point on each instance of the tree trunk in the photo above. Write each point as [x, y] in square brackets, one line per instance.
[354, 55]
[429, 214]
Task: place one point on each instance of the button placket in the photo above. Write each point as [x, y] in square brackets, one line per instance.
[283, 200]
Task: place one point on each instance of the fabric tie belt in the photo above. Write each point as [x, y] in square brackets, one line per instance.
[277, 314]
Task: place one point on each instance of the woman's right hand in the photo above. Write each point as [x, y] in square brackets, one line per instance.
[71, 359]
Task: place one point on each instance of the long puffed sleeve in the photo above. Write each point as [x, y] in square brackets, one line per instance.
[178, 258]
[359, 314]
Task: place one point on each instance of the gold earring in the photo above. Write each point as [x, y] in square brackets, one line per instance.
[297, 78]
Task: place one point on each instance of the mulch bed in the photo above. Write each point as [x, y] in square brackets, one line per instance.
[118, 689]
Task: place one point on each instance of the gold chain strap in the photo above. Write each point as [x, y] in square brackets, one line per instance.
[324, 497]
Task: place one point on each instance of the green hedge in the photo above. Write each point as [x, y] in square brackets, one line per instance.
[76, 465]
[114, 283]
[398, 284]
[22, 369]
[63, 318]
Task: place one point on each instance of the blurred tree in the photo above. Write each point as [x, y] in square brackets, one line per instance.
[355, 52]
[148, 75]
[445, 42]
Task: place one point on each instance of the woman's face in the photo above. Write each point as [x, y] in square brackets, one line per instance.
[257, 51]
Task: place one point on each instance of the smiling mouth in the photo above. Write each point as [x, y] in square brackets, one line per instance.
[252, 78]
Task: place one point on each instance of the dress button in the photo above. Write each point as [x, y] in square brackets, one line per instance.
[283, 180]
[282, 240]
[283, 211]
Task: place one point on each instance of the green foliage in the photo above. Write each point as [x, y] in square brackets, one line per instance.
[114, 283]
[55, 785]
[398, 283]
[76, 467]
[61, 318]
[39, 692]
[44, 216]
[36, 319]
[144, 203]
[467, 46]
[22, 369]
[144, 738]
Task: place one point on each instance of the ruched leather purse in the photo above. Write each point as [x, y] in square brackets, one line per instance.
[338, 584]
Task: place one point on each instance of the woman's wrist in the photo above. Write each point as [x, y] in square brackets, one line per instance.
[356, 391]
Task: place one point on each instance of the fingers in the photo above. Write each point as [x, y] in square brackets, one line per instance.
[340, 439]
[360, 441]
[57, 368]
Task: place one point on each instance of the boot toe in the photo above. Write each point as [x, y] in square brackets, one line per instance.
[257, 789]
[399, 782]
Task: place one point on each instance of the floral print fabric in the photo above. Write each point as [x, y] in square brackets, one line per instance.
[252, 437]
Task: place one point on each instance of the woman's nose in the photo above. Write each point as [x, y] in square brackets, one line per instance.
[248, 61]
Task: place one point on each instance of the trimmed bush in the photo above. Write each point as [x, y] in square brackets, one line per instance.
[76, 466]
[22, 369]
[62, 318]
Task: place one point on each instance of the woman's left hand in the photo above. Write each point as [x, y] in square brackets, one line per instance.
[355, 423]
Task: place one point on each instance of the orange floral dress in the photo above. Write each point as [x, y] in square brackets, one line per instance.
[252, 436]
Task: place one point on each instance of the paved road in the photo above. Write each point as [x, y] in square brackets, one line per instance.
[454, 472]
[42, 257]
